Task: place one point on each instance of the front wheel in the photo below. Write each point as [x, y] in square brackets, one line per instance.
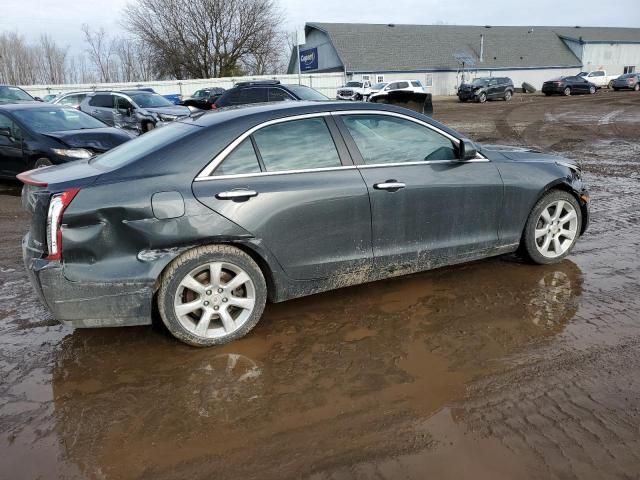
[610, 85]
[212, 295]
[42, 162]
[552, 229]
[637, 87]
[507, 95]
[592, 90]
[482, 97]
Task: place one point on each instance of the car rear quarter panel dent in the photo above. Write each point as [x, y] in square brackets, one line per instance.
[107, 240]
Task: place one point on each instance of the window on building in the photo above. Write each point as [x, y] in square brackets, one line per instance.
[428, 80]
[379, 78]
[629, 69]
[366, 78]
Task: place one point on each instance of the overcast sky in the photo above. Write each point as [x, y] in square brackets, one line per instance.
[62, 18]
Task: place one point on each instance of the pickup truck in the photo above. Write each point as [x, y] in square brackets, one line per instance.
[599, 78]
[354, 91]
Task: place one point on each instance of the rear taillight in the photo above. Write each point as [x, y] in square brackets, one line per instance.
[57, 206]
[213, 106]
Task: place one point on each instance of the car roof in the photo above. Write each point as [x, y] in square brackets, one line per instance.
[268, 111]
[137, 92]
[35, 105]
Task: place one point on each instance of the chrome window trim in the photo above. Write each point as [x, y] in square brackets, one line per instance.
[205, 173]
[269, 174]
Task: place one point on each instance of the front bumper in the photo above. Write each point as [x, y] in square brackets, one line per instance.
[466, 95]
[86, 304]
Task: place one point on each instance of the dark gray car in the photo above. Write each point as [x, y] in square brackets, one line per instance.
[628, 81]
[136, 110]
[209, 217]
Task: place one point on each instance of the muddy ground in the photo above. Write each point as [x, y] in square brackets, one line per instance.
[496, 370]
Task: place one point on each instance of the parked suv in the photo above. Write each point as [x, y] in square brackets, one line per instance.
[486, 88]
[262, 91]
[401, 85]
[354, 90]
[137, 110]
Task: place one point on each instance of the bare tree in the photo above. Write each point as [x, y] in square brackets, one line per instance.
[52, 61]
[206, 38]
[101, 51]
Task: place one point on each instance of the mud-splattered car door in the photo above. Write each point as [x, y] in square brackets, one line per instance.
[428, 207]
[291, 183]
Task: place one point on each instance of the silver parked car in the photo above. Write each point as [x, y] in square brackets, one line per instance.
[628, 81]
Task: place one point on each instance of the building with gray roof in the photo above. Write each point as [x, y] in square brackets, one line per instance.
[441, 56]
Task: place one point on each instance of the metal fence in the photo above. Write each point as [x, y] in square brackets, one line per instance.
[326, 83]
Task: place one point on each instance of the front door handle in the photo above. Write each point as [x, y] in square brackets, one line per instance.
[389, 185]
[236, 194]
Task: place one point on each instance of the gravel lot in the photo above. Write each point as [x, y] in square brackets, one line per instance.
[496, 369]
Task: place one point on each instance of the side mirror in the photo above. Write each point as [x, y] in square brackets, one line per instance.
[5, 132]
[38, 99]
[468, 149]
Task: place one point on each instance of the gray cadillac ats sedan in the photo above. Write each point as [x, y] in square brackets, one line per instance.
[211, 216]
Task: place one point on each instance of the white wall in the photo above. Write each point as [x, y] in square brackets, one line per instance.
[326, 83]
[446, 83]
[611, 57]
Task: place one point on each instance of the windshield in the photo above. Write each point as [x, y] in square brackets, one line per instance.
[141, 146]
[44, 120]
[306, 93]
[201, 93]
[150, 100]
[14, 94]
[480, 81]
[378, 86]
[354, 84]
[583, 74]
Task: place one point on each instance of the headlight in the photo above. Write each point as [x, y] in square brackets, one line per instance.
[167, 118]
[73, 152]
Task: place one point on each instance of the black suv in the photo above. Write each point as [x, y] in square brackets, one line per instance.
[262, 91]
[204, 98]
[487, 88]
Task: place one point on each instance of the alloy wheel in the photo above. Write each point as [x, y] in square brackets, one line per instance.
[556, 229]
[215, 299]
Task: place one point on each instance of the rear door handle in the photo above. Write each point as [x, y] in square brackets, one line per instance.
[236, 194]
[389, 185]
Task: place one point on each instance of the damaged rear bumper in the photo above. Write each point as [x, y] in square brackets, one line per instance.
[86, 304]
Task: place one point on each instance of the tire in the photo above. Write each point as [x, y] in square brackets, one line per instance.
[482, 98]
[592, 90]
[196, 265]
[534, 249]
[566, 92]
[357, 97]
[148, 126]
[42, 162]
[528, 88]
[610, 84]
[507, 95]
[636, 88]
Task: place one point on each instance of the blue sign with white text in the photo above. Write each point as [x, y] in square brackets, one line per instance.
[308, 59]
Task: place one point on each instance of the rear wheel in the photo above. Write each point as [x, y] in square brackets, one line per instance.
[552, 228]
[566, 91]
[610, 85]
[212, 295]
[637, 87]
[42, 162]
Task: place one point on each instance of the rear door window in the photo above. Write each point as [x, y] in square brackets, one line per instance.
[72, 99]
[100, 100]
[403, 85]
[242, 160]
[297, 145]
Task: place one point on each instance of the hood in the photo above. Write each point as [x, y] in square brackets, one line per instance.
[97, 139]
[178, 110]
[520, 153]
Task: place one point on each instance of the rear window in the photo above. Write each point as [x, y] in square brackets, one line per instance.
[102, 101]
[140, 147]
[253, 95]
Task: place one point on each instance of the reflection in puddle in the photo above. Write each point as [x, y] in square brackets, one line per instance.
[335, 379]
